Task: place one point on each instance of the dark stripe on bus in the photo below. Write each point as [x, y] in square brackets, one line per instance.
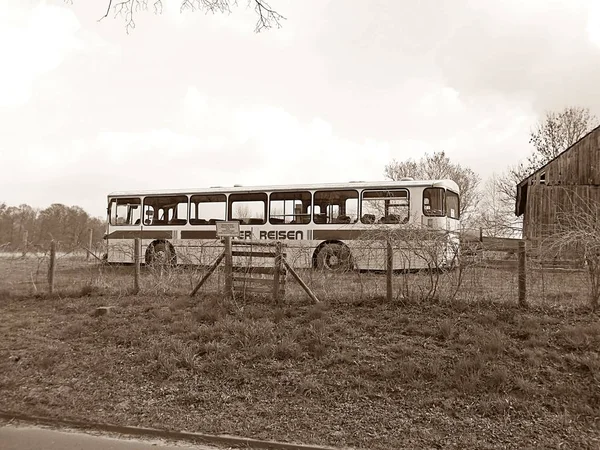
[324, 235]
[199, 234]
[145, 234]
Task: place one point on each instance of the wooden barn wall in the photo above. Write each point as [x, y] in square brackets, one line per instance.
[578, 166]
[546, 204]
[572, 180]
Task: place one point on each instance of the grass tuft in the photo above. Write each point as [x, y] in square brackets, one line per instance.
[468, 372]
[446, 330]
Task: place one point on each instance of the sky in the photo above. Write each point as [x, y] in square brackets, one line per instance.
[190, 100]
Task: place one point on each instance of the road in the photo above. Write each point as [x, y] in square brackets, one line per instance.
[34, 438]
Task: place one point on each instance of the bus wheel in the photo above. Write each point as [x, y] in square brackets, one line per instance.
[162, 254]
[334, 258]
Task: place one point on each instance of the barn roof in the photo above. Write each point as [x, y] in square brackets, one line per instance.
[521, 198]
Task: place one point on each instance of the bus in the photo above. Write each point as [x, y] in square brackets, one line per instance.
[323, 225]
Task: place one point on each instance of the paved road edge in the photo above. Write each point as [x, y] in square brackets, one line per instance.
[199, 438]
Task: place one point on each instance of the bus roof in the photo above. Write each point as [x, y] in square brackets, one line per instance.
[294, 187]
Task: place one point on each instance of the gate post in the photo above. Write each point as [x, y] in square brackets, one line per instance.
[277, 271]
[522, 275]
[228, 268]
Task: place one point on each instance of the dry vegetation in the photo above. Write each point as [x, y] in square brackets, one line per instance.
[472, 372]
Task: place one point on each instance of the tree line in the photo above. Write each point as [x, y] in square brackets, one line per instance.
[24, 226]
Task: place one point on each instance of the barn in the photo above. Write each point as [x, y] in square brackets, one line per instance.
[567, 185]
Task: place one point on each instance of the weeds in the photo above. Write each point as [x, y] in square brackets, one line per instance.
[446, 330]
[467, 373]
[287, 349]
[353, 365]
[492, 343]
[579, 337]
[497, 380]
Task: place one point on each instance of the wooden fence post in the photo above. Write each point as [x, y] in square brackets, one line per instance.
[136, 262]
[228, 268]
[25, 242]
[277, 270]
[90, 242]
[389, 270]
[522, 274]
[51, 267]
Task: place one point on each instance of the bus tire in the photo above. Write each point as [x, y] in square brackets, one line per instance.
[161, 253]
[334, 257]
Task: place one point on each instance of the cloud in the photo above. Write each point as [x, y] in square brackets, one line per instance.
[272, 144]
[536, 50]
[32, 42]
[593, 24]
[250, 144]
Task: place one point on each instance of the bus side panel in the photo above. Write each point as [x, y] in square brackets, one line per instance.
[120, 250]
[201, 252]
[372, 255]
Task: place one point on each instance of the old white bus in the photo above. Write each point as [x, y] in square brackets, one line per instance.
[323, 225]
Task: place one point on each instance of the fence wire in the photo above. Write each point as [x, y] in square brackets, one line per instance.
[478, 276]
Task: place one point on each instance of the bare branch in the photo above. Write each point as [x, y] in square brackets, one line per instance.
[107, 11]
[267, 16]
[556, 132]
[576, 235]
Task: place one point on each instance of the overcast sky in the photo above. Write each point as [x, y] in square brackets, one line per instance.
[196, 100]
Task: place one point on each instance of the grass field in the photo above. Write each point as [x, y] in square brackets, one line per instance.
[476, 372]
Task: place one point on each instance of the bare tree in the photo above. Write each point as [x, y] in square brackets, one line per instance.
[496, 216]
[267, 16]
[438, 166]
[557, 131]
[577, 235]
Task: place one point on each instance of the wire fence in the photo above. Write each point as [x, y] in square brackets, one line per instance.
[478, 275]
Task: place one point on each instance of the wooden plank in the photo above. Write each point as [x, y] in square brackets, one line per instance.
[268, 281]
[253, 289]
[263, 270]
[243, 290]
[208, 273]
[300, 282]
[500, 244]
[579, 177]
[595, 151]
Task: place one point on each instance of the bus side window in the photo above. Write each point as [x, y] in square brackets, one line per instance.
[339, 207]
[207, 209]
[389, 206]
[165, 210]
[290, 207]
[452, 205]
[125, 211]
[249, 209]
